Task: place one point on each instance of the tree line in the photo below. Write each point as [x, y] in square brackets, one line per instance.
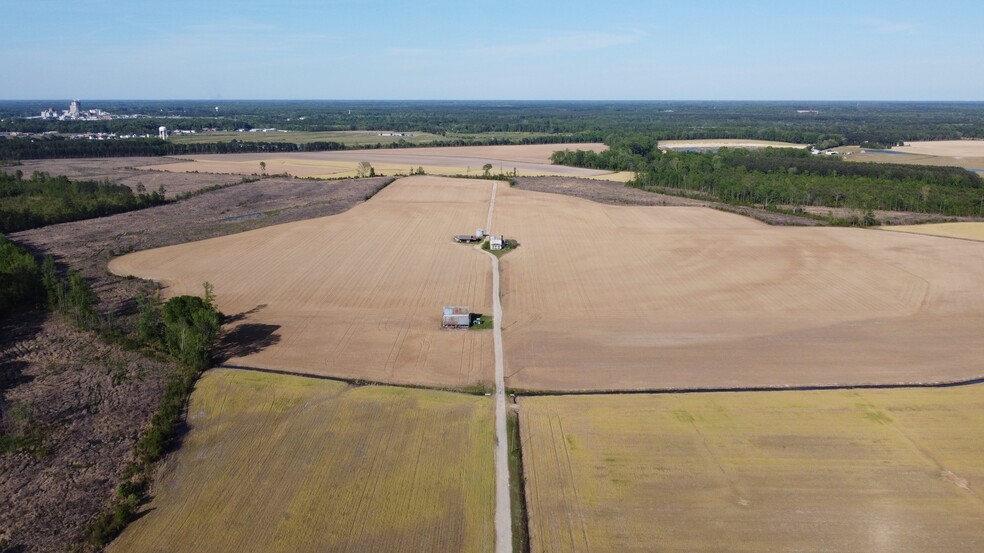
[791, 178]
[42, 199]
[58, 147]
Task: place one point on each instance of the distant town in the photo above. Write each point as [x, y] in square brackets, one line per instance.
[76, 113]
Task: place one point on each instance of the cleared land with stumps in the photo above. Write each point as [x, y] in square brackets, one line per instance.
[285, 463]
[876, 470]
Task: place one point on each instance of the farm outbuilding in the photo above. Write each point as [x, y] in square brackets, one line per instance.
[456, 317]
[495, 242]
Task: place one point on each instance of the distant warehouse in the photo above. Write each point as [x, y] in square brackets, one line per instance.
[456, 317]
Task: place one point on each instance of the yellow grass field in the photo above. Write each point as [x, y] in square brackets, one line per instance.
[893, 471]
[355, 295]
[967, 231]
[284, 463]
[725, 143]
[526, 160]
[617, 297]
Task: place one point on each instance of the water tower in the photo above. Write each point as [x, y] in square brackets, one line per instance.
[162, 133]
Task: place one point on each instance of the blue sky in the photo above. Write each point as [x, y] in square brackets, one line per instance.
[505, 49]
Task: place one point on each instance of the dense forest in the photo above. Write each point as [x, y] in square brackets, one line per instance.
[790, 178]
[826, 124]
[44, 200]
[20, 279]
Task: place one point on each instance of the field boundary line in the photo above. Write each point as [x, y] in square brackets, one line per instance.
[645, 391]
[739, 389]
[350, 381]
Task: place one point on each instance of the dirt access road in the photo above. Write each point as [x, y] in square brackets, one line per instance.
[503, 505]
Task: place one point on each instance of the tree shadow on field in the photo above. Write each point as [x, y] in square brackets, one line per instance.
[229, 319]
[246, 339]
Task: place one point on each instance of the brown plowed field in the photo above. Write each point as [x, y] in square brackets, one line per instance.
[278, 463]
[532, 159]
[894, 471]
[611, 297]
[356, 295]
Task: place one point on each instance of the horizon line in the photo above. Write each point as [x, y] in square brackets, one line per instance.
[484, 100]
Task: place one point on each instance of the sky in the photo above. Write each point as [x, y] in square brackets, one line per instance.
[491, 50]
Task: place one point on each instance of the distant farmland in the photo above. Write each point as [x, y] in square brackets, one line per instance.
[531, 159]
[888, 470]
[284, 463]
[348, 138]
[951, 153]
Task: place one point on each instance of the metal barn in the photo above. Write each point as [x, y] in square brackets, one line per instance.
[456, 317]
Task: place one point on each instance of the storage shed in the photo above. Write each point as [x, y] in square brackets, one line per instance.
[456, 317]
[495, 242]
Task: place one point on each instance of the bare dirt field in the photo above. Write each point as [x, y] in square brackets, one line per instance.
[285, 463]
[724, 143]
[533, 159]
[891, 471]
[966, 231]
[615, 297]
[123, 170]
[952, 153]
[954, 148]
[357, 295]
